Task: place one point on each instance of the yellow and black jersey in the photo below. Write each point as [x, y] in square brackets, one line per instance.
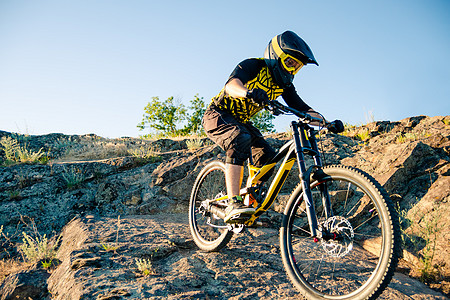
[254, 73]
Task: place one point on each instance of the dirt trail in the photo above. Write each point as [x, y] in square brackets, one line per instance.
[249, 268]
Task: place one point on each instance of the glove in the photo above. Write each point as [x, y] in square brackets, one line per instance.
[336, 126]
[258, 96]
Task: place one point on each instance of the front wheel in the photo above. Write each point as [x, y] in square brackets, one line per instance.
[358, 252]
[209, 231]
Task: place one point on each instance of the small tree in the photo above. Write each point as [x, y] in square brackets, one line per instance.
[163, 116]
[197, 109]
[263, 120]
[166, 116]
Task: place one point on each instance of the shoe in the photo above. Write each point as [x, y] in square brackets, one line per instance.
[237, 212]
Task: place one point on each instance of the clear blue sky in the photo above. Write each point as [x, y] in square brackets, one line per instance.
[89, 66]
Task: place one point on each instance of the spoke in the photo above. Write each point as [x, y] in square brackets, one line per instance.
[304, 230]
[316, 246]
[309, 265]
[353, 259]
[373, 216]
[303, 210]
[201, 195]
[301, 240]
[368, 235]
[346, 197]
[206, 192]
[332, 274]
[354, 206]
[318, 268]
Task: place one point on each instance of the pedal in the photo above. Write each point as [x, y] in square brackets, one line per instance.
[256, 224]
[238, 218]
[236, 227]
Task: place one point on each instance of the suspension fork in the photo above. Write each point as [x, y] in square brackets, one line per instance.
[305, 181]
[323, 186]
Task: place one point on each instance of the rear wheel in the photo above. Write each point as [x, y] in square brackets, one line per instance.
[209, 232]
[358, 253]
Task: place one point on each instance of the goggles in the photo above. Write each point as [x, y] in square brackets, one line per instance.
[290, 63]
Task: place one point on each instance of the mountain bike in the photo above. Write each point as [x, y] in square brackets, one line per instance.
[339, 236]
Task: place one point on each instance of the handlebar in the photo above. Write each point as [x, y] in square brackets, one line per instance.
[277, 108]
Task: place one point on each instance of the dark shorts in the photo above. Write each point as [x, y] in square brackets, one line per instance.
[239, 141]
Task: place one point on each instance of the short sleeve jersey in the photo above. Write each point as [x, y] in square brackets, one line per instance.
[254, 73]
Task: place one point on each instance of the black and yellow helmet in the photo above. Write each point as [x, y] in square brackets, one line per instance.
[285, 55]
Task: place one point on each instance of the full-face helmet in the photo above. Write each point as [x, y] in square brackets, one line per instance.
[285, 55]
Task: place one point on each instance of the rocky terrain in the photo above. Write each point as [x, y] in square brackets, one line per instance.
[107, 203]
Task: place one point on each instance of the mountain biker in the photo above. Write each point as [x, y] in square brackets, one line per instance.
[249, 87]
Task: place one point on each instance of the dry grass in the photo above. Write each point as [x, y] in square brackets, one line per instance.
[143, 152]
[33, 249]
[9, 266]
[89, 148]
[363, 135]
[412, 136]
[38, 248]
[95, 150]
[145, 266]
[420, 230]
[15, 153]
[194, 144]
[73, 177]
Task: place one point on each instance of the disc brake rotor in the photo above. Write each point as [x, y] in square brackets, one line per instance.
[342, 232]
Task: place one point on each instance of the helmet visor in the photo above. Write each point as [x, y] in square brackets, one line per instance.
[290, 63]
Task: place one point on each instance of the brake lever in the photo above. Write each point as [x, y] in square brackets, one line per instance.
[274, 107]
[275, 110]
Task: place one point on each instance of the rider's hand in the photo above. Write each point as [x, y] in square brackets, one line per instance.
[258, 96]
[336, 126]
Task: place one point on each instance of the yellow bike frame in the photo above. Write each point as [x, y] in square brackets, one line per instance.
[303, 142]
[288, 151]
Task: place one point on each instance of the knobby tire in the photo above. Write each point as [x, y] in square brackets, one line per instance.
[346, 268]
[209, 232]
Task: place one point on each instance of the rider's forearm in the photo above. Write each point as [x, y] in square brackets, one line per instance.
[235, 88]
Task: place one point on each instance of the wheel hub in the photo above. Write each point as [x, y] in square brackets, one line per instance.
[205, 204]
[340, 234]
